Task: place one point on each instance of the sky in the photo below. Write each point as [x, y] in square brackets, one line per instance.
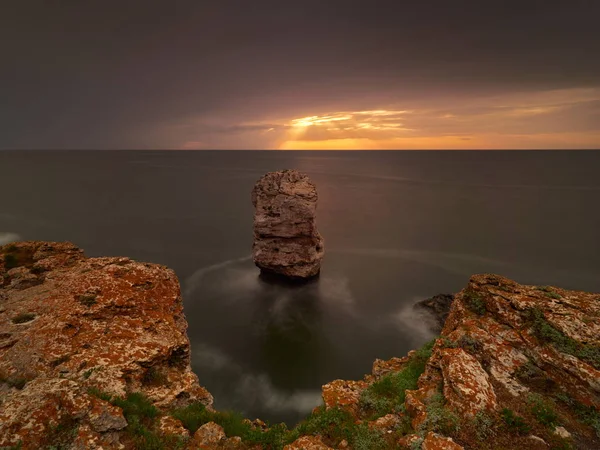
[312, 74]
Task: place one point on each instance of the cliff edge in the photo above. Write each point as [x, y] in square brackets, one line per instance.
[94, 354]
[76, 331]
[515, 367]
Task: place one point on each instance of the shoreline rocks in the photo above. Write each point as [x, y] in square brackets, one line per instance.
[286, 240]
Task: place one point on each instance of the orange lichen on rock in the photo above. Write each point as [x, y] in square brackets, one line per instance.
[434, 441]
[466, 385]
[343, 394]
[102, 323]
[307, 443]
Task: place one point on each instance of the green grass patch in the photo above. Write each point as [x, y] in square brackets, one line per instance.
[475, 303]
[365, 438]
[10, 261]
[100, 394]
[195, 415]
[513, 422]
[141, 416]
[439, 418]
[336, 425]
[387, 395]
[585, 414]
[549, 292]
[154, 377]
[543, 410]
[484, 425]
[547, 333]
[23, 318]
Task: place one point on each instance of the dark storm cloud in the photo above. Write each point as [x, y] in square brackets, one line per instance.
[110, 74]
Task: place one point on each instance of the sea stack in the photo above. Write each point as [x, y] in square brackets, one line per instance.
[286, 240]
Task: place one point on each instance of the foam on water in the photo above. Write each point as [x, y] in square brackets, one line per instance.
[253, 390]
[6, 237]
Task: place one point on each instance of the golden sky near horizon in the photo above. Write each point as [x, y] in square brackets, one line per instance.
[554, 119]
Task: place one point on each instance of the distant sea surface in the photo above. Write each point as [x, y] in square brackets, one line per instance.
[398, 227]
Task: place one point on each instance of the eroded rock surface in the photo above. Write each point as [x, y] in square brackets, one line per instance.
[506, 350]
[70, 325]
[286, 240]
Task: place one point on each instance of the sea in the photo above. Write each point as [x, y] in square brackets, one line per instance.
[399, 227]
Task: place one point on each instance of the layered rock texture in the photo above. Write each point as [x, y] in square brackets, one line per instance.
[94, 354]
[286, 240]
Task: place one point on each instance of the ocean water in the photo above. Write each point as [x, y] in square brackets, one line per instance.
[398, 227]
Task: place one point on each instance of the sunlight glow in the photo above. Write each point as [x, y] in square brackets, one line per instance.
[347, 128]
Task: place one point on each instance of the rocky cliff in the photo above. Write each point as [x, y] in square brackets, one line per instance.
[286, 240]
[515, 367]
[75, 331]
[94, 354]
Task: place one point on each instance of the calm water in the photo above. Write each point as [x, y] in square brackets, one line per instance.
[398, 227]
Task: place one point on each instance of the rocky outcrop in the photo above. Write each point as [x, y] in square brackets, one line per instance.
[438, 307]
[286, 240]
[71, 327]
[516, 366]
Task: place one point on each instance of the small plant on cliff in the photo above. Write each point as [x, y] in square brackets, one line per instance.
[417, 444]
[101, 395]
[585, 414]
[141, 416]
[448, 343]
[154, 377]
[387, 395]
[527, 370]
[192, 416]
[546, 332]
[549, 292]
[333, 423]
[365, 438]
[23, 318]
[10, 261]
[484, 425]
[514, 422]
[61, 435]
[470, 344]
[336, 425]
[543, 410]
[439, 418]
[195, 415]
[475, 303]
[136, 405]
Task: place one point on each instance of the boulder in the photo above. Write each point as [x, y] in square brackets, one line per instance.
[286, 240]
